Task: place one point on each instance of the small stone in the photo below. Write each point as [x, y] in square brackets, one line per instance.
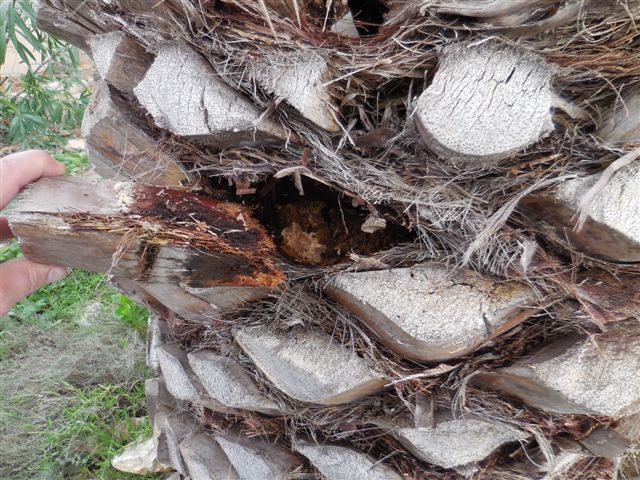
[430, 313]
[583, 376]
[342, 463]
[256, 459]
[78, 144]
[140, 458]
[454, 442]
[229, 384]
[310, 366]
[205, 459]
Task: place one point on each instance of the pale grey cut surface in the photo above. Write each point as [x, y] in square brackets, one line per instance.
[177, 380]
[183, 95]
[455, 442]
[227, 382]
[103, 48]
[255, 459]
[601, 375]
[485, 103]
[205, 459]
[297, 77]
[343, 463]
[617, 205]
[433, 305]
[310, 366]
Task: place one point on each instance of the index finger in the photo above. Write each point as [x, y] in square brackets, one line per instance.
[19, 169]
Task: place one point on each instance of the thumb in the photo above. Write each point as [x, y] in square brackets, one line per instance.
[20, 277]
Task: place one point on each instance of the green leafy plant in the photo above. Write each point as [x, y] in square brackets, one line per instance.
[63, 300]
[9, 250]
[49, 100]
[132, 314]
[76, 162]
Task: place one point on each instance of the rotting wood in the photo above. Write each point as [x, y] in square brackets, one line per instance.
[120, 60]
[151, 234]
[119, 149]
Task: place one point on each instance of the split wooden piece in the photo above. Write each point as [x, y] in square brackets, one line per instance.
[621, 124]
[157, 328]
[73, 21]
[257, 459]
[205, 459]
[310, 366]
[226, 382]
[150, 234]
[339, 463]
[430, 313]
[171, 429]
[587, 376]
[454, 442]
[119, 149]
[298, 77]
[611, 230]
[192, 303]
[485, 103]
[183, 94]
[159, 400]
[120, 60]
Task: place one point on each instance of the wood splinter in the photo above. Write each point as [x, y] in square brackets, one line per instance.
[151, 234]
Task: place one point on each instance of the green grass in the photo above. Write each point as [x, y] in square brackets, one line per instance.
[71, 354]
[71, 375]
[94, 427]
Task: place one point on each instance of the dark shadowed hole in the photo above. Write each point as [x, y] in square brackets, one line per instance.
[322, 227]
[368, 15]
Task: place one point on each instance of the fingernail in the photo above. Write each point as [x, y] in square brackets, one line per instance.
[57, 273]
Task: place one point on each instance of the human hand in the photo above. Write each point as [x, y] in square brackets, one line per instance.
[20, 277]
